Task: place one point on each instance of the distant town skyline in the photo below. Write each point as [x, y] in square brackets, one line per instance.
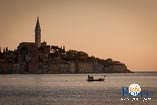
[124, 30]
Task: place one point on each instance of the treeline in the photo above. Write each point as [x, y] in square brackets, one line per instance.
[8, 56]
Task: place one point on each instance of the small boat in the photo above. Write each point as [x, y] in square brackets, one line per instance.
[91, 78]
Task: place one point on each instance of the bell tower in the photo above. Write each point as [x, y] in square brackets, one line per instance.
[37, 33]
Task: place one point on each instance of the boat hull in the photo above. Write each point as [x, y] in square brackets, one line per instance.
[100, 79]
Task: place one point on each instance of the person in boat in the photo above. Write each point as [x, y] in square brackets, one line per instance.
[90, 77]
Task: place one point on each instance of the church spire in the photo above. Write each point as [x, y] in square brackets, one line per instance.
[37, 33]
[37, 27]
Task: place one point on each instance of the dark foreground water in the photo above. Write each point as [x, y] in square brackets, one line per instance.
[73, 89]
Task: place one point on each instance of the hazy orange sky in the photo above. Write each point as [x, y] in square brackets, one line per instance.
[125, 30]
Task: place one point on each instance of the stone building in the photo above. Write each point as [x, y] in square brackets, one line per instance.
[32, 54]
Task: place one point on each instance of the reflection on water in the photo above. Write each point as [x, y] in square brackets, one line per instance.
[71, 89]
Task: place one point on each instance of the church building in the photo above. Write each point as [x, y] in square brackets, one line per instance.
[31, 54]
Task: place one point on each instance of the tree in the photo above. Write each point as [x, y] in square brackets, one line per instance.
[0, 51]
[7, 49]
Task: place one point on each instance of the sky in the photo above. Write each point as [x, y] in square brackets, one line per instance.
[124, 30]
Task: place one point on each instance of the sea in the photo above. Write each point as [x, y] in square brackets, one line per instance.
[74, 89]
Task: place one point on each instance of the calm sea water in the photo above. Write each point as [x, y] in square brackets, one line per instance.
[73, 89]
